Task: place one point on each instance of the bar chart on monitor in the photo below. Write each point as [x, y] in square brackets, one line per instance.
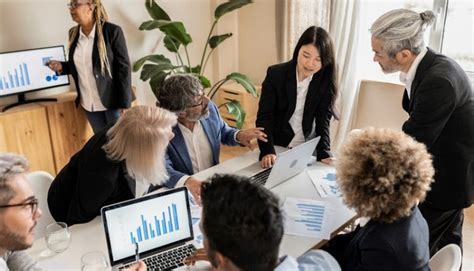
[27, 70]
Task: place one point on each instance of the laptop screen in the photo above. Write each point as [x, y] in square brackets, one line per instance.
[155, 222]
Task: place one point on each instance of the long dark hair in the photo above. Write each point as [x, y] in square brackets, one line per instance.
[318, 37]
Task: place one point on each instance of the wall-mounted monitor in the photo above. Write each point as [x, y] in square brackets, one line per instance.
[26, 70]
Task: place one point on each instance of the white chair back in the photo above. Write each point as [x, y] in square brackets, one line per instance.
[379, 104]
[448, 258]
[40, 182]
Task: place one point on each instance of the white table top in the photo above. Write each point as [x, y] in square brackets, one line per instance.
[90, 236]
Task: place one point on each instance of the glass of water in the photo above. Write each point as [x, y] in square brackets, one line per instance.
[58, 237]
[94, 261]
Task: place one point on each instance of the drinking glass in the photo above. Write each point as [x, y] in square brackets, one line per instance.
[58, 237]
[94, 261]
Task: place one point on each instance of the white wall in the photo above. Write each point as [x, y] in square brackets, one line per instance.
[28, 24]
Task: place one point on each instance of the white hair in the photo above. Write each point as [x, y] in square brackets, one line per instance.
[402, 29]
[11, 164]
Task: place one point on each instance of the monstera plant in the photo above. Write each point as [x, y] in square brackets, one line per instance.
[156, 67]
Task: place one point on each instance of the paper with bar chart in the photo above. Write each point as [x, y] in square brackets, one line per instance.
[309, 218]
[324, 180]
[26, 70]
[151, 223]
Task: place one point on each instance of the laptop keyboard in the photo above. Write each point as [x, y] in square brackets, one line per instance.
[261, 177]
[167, 260]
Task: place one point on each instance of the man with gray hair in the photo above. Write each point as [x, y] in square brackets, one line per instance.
[440, 102]
[199, 133]
[19, 213]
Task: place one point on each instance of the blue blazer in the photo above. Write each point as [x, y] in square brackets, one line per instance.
[178, 162]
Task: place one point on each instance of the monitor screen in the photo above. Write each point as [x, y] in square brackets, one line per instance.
[26, 70]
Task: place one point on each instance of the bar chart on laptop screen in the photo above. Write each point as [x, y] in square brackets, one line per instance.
[165, 223]
[150, 223]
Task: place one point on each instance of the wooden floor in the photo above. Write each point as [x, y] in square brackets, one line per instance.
[468, 228]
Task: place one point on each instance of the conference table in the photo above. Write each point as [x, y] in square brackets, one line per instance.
[90, 236]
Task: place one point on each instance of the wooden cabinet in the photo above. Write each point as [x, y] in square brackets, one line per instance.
[248, 102]
[47, 133]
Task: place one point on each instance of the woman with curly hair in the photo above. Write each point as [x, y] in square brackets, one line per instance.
[383, 175]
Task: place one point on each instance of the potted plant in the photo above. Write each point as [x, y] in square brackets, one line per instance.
[156, 67]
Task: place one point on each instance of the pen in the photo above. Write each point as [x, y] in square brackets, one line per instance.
[136, 253]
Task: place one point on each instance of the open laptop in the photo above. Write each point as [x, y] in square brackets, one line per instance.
[159, 223]
[287, 164]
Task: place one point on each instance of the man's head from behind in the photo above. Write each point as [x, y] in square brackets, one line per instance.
[242, 224]
[18, 206]
[183, 94]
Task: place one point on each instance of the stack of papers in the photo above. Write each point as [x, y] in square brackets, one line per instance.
[324, 180]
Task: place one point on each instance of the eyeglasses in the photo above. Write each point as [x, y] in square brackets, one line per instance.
[74, 5]
[201, 99]
[33, 205]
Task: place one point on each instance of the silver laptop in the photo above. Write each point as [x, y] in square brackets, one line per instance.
[159, 223]
[287, 164]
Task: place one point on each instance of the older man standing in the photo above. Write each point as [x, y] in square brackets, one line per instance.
[18, 214]
[440, 102]
[199, 133]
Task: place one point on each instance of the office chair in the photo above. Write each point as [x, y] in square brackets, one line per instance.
[448, 258]
[40, 182]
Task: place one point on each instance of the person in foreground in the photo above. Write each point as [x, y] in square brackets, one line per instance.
[242, 226]
[298, 98]
[120, 162]
[383, 174]
[98, 62]
[199, 133]
[19, 213]
[440, 102]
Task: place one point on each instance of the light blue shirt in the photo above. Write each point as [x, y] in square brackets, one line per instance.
[313, 260]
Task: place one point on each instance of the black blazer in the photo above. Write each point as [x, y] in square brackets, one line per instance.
[401, 245]
[441, 109]
[278, 102]
[115, 92]
[88, 182]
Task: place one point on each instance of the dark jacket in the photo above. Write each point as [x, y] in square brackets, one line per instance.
[401, 245]
[88, 182]
[278, 102]
[441, 109]
[115, 92]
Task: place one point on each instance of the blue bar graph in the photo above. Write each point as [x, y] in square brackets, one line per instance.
[168, 224]
[19, 77]
[312, 216]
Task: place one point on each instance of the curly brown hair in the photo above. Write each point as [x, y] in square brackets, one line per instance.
[383, 173]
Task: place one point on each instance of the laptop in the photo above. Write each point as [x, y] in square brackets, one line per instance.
[287, 164]
[159, 223]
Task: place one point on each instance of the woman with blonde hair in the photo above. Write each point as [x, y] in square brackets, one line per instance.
[98, 62]
[120, 162]
[383, 175]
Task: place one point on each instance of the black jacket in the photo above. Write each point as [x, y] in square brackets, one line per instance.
[401, 245]
[115, 92]
[441, 109]
[88, 182]
[278, 102]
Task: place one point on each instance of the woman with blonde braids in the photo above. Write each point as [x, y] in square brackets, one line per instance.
[98, 62]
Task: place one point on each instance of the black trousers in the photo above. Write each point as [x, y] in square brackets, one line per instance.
[445, 226]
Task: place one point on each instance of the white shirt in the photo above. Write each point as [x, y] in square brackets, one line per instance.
[90, 99]
[199, 149]
[296, 119]
[407, 78]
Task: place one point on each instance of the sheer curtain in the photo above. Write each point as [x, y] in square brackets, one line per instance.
[340, 18]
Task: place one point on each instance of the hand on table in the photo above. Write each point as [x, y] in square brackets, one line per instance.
[328, 161]
[268, 160]
[140, 266]
[194, 186]
[198, 255]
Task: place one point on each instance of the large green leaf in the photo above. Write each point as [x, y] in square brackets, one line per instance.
[195, 69]
[173, 29]
[236, 110]
[244, 81]
[171, 44]
[149, 71]
[155, 11]
[204, 81]
[214, 41]
[229, 6]
[159, 59]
